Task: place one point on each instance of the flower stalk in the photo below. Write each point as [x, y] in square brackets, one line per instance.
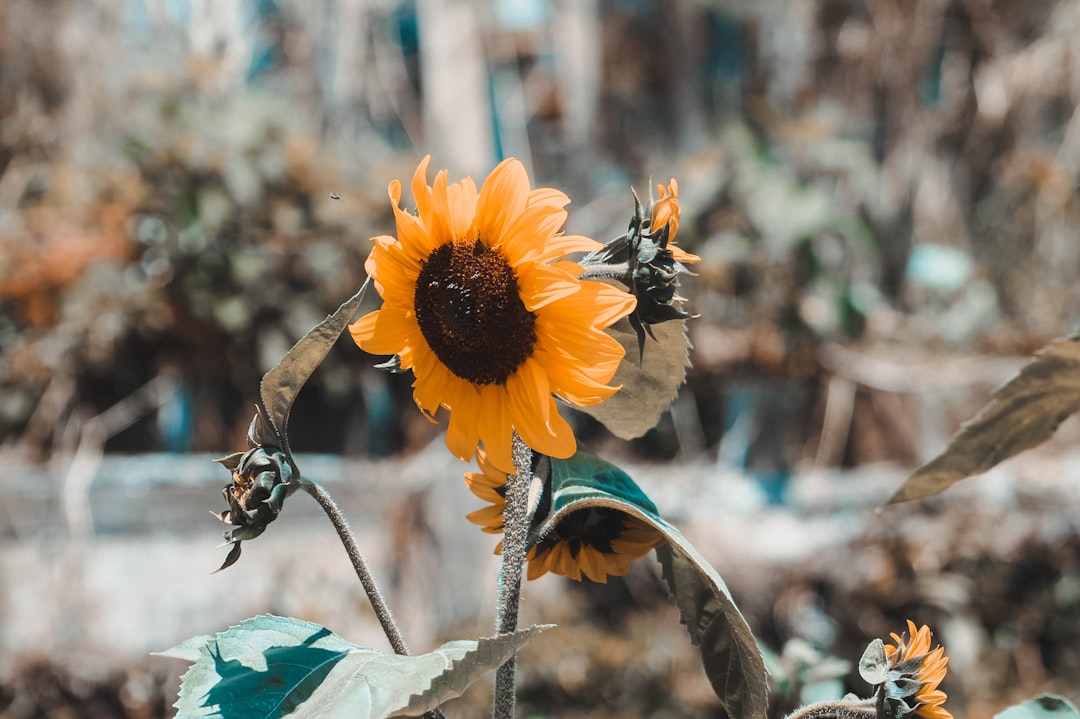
[515, 533]
[378, 603]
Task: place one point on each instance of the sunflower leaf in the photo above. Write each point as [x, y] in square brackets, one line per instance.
[729, 652]
[271, 666]
[1044, 706]
[281, 385]
[650, 375]
[874, 665]
[1024, 412]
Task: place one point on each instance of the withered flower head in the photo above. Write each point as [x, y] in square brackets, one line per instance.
[907, 675]
[260, 483]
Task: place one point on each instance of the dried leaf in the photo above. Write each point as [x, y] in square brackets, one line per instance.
[1025, 412]
[283, 383]
[729, 652]
[648, 385]
[271, 666]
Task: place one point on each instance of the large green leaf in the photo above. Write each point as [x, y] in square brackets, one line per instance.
[269, 666]
[283, 383]
[650, 379]
[1024, 412]
[729, 653]
[1044, 706]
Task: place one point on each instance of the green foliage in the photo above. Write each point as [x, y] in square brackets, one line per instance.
[271, 666]
[732, 661]
[1044, 706]
[1024, 412]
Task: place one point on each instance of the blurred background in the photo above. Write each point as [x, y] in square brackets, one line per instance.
[884, 195]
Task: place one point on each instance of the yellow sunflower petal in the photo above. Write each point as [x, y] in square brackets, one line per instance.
[502, 198]
[439, 222]
[416, 242]
[682, 255]
[461, 200]
[526, 237]
[592, 564]
[569, 381]
[393, 272]
[920, 640]
[537, 566]
[565, 563]
[562, 245]
[495, 428]
[529, 394]
[542, 284]
[463, 432]
[422, 193]
[489, 519]
[385, 331]
[547, 196]
[929, 711]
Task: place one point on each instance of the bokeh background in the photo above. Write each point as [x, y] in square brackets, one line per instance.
[884, 195]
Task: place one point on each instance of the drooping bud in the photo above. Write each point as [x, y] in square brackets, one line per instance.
[260, 483]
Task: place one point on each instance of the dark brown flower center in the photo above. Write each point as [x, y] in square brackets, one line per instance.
[470, 313]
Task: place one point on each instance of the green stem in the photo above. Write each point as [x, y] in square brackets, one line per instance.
[516, 520]
[382, 610]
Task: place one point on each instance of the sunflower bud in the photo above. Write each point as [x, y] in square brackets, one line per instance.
[260, 484]
[655, 263]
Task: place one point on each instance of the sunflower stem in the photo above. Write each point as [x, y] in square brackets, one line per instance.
[592, 271]
[516, 522]
[844, 709]
[382, 611]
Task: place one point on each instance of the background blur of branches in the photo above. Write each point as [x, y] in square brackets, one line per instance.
[885, 171]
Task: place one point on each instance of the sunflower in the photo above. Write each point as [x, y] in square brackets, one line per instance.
[479, 303]
[594, 542]
[912, 664]
[665, 211]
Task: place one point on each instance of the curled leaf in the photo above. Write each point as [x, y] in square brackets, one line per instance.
[1024, 412]
[730, 655]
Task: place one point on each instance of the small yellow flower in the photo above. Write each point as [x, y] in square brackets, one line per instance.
[479, 303]
[911, 658]
[595, 543]
[666, 211]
